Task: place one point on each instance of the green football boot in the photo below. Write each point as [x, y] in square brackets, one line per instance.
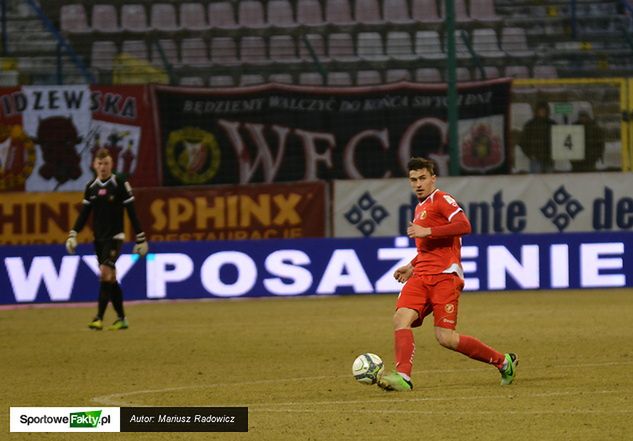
[394, 382]
[96, 324]
[508, 374]
[118, 325]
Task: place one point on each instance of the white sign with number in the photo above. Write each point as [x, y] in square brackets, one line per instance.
[568, 142]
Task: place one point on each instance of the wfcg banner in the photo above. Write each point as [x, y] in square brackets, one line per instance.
[503, 204]
[50, 134]
[300, 267]
[276, 133]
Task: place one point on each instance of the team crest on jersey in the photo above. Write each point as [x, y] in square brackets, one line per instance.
[450, 200]
[422, 215]
[449, 307]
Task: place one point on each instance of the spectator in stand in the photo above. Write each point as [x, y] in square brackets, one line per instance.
[536, 139]
[594, 144]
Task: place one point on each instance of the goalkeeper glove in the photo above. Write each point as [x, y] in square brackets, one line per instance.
[141, 248]
[71, 242]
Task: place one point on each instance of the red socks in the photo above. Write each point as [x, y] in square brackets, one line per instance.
[405, 349]
[477, 350]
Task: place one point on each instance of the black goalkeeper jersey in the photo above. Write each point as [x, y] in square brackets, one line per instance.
[107, 201]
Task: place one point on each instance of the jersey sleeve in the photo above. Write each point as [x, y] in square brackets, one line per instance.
[128, 202]
[86, 207]
[127, 195]
[448, 206]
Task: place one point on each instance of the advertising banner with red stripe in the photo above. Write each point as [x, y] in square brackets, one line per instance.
[50, 134]
[280, 133]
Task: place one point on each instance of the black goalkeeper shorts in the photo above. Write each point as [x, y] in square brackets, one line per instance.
[108, 251]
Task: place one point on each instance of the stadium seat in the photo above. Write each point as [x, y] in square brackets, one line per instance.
[221, 81]
[73, 19]
[338, 12]
[367, 12]
[169, 49]
[283, 49]
[514, 42]
[463, 74]
[251, 14]
[317, 44]
[341, 47]
[517, 72]
[191, 81]
[425, 11]
[104, 19]
[193, 17]
[368, 77]
[370, 47]
[253, 50]
[193, 52]
[102, 54]
[428, 75]
[483, 11]
[396, 12]
[279, 14]
[310, 79]
[339, 79]
[395, 75]
[542, 71]
[399, 46]
[251, 79]
[163, 17]
[133, 18]
[282, 78]
[224, 51]
[222, 15]
[491, 72]
[461, 49]
[428, 46]
[485, 43]
[461, 14]
[135, 48]
[309, 13]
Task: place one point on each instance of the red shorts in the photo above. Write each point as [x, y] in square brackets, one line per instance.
[438, 293]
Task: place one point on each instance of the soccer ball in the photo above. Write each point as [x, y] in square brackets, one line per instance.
[367, 367]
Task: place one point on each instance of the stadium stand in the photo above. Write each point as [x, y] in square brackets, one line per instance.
[517, 38]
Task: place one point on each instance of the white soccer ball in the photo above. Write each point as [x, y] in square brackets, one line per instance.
[367, 367]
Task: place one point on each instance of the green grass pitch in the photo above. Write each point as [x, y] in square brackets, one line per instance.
[289, 361]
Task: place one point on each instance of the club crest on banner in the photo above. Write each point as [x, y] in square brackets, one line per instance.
[481, 144]
[17, 157]
[193, 155]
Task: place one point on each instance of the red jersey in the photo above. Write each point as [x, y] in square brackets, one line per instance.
[437, 255]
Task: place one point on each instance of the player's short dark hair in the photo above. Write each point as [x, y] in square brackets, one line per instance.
[417, 163]
[102, 153]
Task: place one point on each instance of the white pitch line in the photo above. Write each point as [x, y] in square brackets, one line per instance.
[402, 399]
[117, 399]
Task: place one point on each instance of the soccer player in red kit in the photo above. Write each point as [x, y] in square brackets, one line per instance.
[433, 281]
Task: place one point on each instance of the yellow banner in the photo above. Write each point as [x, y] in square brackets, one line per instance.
[39, 218]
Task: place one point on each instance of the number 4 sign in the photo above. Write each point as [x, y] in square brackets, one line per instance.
[568, 142]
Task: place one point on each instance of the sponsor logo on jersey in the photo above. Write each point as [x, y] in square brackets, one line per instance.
[450, 200]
